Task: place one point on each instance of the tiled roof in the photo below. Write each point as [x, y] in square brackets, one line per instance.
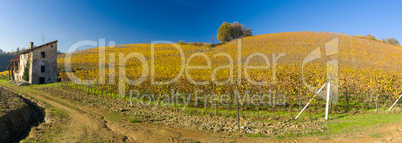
[15, 59]
[28, 50]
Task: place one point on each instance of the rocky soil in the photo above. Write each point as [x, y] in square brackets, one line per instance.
[172, 118]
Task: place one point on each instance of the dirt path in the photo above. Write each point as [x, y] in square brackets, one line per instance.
[89, 124]
[82, 126]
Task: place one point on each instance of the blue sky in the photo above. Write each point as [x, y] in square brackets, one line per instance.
[188, 20]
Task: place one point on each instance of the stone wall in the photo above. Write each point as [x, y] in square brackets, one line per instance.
[50, 63]
[21, 66]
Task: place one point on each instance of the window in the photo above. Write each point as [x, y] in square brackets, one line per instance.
[43, 55]
[51, 46]
[42, 69]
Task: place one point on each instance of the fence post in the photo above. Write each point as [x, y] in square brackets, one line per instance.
[311, 100]
[376, 101]
[395, 102]
[328, 93]
[238, 116]
[131, 98]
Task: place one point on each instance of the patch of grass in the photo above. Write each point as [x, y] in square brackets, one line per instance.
[375, 135]
[279, 136]
[314, 133]
[299, 134]
[53, 133]
[257, 135]
[59, 113]
[115, 116]
[56, 84]
[134, 120]
[360, 122]
[65, 104]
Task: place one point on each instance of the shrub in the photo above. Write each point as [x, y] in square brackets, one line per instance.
[182, 42]
[25, 76]
[392, 41]
[370, 36]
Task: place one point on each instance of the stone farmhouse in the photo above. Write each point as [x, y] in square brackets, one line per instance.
[42, 64]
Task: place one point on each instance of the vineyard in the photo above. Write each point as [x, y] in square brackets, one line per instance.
[4, 74]
[367, 76]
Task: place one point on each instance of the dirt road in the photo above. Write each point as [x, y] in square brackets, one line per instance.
[90, 124]
[82, 126]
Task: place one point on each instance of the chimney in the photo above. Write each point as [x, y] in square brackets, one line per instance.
[31, 44]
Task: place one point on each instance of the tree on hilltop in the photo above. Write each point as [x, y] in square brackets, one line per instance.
[393, 41]
[247, 32]
[228, 31]
[225, 32]
[237, 30]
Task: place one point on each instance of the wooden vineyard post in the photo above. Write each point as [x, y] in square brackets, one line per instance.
[376, 102]
[272, 103]
[175, 101]
[216, 104]
[300, 102]
[371, 98]
[308, 108]
[258, 109]
[238, 116]
[215, 109]
[205, 105]
[131, 98]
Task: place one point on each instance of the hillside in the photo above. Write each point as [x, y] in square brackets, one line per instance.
[363, 66]
[353, 51]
